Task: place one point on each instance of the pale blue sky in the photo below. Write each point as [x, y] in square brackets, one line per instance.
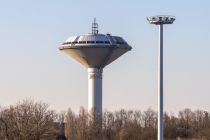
[32, 66]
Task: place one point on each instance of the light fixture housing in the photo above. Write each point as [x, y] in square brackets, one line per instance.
[161, 19]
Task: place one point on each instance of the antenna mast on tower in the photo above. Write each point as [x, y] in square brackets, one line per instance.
[94, 27]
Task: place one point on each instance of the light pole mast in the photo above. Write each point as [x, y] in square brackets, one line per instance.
[160, 20]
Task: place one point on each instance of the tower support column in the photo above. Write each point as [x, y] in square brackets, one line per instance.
[95, 93]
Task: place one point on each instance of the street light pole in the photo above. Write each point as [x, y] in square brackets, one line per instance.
[160, 20]
[160, 84]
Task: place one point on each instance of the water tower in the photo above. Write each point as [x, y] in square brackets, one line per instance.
[95, 51]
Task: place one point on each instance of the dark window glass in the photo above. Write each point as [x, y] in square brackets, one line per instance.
[90, 41]
[107, 42]
[82, 42]
[120, 42]
[99, 41]
[66, 43]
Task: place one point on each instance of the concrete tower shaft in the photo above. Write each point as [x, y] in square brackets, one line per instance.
[95, 90]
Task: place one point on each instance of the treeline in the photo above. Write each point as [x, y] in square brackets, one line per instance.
[29, 120]
[138, 125]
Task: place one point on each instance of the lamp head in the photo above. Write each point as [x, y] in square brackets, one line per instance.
[161, 19]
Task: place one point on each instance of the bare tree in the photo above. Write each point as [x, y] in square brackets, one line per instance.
[108, 125]
[82, 125]
[186, 123]
[3, 127]
[60, 126]
[28, 121]
[70, 127]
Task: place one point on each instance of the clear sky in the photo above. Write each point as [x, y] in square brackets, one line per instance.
[33, 67]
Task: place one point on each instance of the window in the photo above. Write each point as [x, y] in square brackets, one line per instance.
[90, 42]
[99, 41]
[107, 42]
[82, 42]
[75, 42]
[119, 42]
[66, 43]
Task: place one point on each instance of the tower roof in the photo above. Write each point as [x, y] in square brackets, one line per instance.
[99, 40]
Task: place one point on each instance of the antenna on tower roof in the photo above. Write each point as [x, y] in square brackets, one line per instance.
[94, 27]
